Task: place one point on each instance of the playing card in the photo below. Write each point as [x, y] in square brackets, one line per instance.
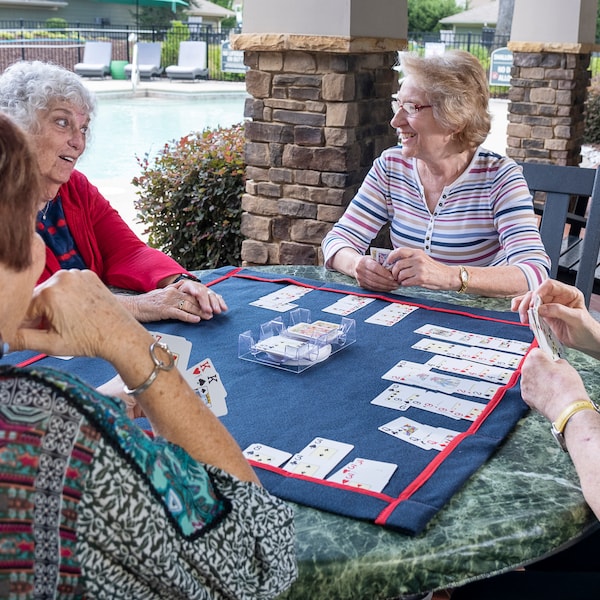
[380, 255]
[281, 347]
[365, 474]
[391, 314]
[473, 339]
[318, 458]
[418, 434]
[397, 396]
[440, 437]
[470, 368]
[180, 347]
[422, 377]
[266, 454]
[347, 305]
[545, 337]
[206, 382]
[410, 431]
[321, 331]
[486, 356]
[282, 300]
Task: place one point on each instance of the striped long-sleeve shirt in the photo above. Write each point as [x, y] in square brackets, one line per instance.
[484, 218]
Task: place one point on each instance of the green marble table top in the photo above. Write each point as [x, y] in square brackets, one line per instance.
[523, 504]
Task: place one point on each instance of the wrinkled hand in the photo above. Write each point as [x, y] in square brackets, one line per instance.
[563, 309]
[549, 386]
[186, 300]
[372, 276]
[74, 313]
[411, 267]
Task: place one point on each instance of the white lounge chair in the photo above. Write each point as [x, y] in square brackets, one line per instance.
[191, 63]
[96, 60]
[148, 60]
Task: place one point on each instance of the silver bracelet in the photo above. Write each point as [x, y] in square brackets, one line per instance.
[159, 365]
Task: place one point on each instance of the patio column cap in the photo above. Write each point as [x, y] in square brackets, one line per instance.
[277, 42]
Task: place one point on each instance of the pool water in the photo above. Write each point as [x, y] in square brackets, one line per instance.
[125, 128]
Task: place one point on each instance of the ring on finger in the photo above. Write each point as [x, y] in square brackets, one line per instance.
[180, 305]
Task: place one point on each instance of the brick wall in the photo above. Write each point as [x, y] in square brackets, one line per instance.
[546, 118]
[318, 120]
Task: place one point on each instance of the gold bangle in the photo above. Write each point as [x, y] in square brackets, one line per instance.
[464, 280]
[159, 365]
[558, 427]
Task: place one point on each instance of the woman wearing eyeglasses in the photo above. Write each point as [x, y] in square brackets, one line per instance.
[461, 217]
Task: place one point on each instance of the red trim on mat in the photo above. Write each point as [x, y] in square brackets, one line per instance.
[375, 295]
[30, 361]
[437, 462]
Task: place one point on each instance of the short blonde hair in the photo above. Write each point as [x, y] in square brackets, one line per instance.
[455, 84]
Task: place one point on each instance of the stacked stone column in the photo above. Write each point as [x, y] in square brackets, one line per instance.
[546, 119]
[319, 115]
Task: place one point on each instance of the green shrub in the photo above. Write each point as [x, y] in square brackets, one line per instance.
[56, 23]
[170, 47]
[190, 198]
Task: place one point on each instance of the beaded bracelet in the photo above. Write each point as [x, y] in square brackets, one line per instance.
[159, 365]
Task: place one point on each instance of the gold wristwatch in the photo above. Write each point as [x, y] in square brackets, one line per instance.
[558, 427]
[464, 280]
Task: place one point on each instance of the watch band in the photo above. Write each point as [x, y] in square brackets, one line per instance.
[186, 276]
[558, 427]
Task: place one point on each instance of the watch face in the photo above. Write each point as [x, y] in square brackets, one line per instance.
[464, 276]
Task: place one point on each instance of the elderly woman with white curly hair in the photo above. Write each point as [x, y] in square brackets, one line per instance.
[80, 228]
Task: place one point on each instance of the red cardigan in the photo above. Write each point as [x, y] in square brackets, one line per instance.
[106, 243]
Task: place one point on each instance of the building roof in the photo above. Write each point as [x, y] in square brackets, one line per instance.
[204, 8]
[483, 15]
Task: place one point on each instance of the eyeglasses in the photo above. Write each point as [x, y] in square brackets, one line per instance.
[410, 108]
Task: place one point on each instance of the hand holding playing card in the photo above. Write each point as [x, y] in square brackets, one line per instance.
[544, 335]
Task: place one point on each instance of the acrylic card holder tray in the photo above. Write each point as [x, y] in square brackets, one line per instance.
[297, 345]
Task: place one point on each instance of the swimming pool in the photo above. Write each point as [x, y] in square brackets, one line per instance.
[124, 128]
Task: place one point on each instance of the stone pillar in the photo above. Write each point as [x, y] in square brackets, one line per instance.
[320, 109]
[551, 48]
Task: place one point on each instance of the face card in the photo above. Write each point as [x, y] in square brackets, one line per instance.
[410, 431]
[206, 382]
[266, 454]
[179, 346]
[380, 255]
[418, 434]
[365, 474]
[318, 458]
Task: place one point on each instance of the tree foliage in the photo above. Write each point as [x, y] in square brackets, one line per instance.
[424, 15]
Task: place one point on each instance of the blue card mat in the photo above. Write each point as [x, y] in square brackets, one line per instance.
[332, 399]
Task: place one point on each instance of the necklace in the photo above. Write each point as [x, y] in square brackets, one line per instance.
[44, 210]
